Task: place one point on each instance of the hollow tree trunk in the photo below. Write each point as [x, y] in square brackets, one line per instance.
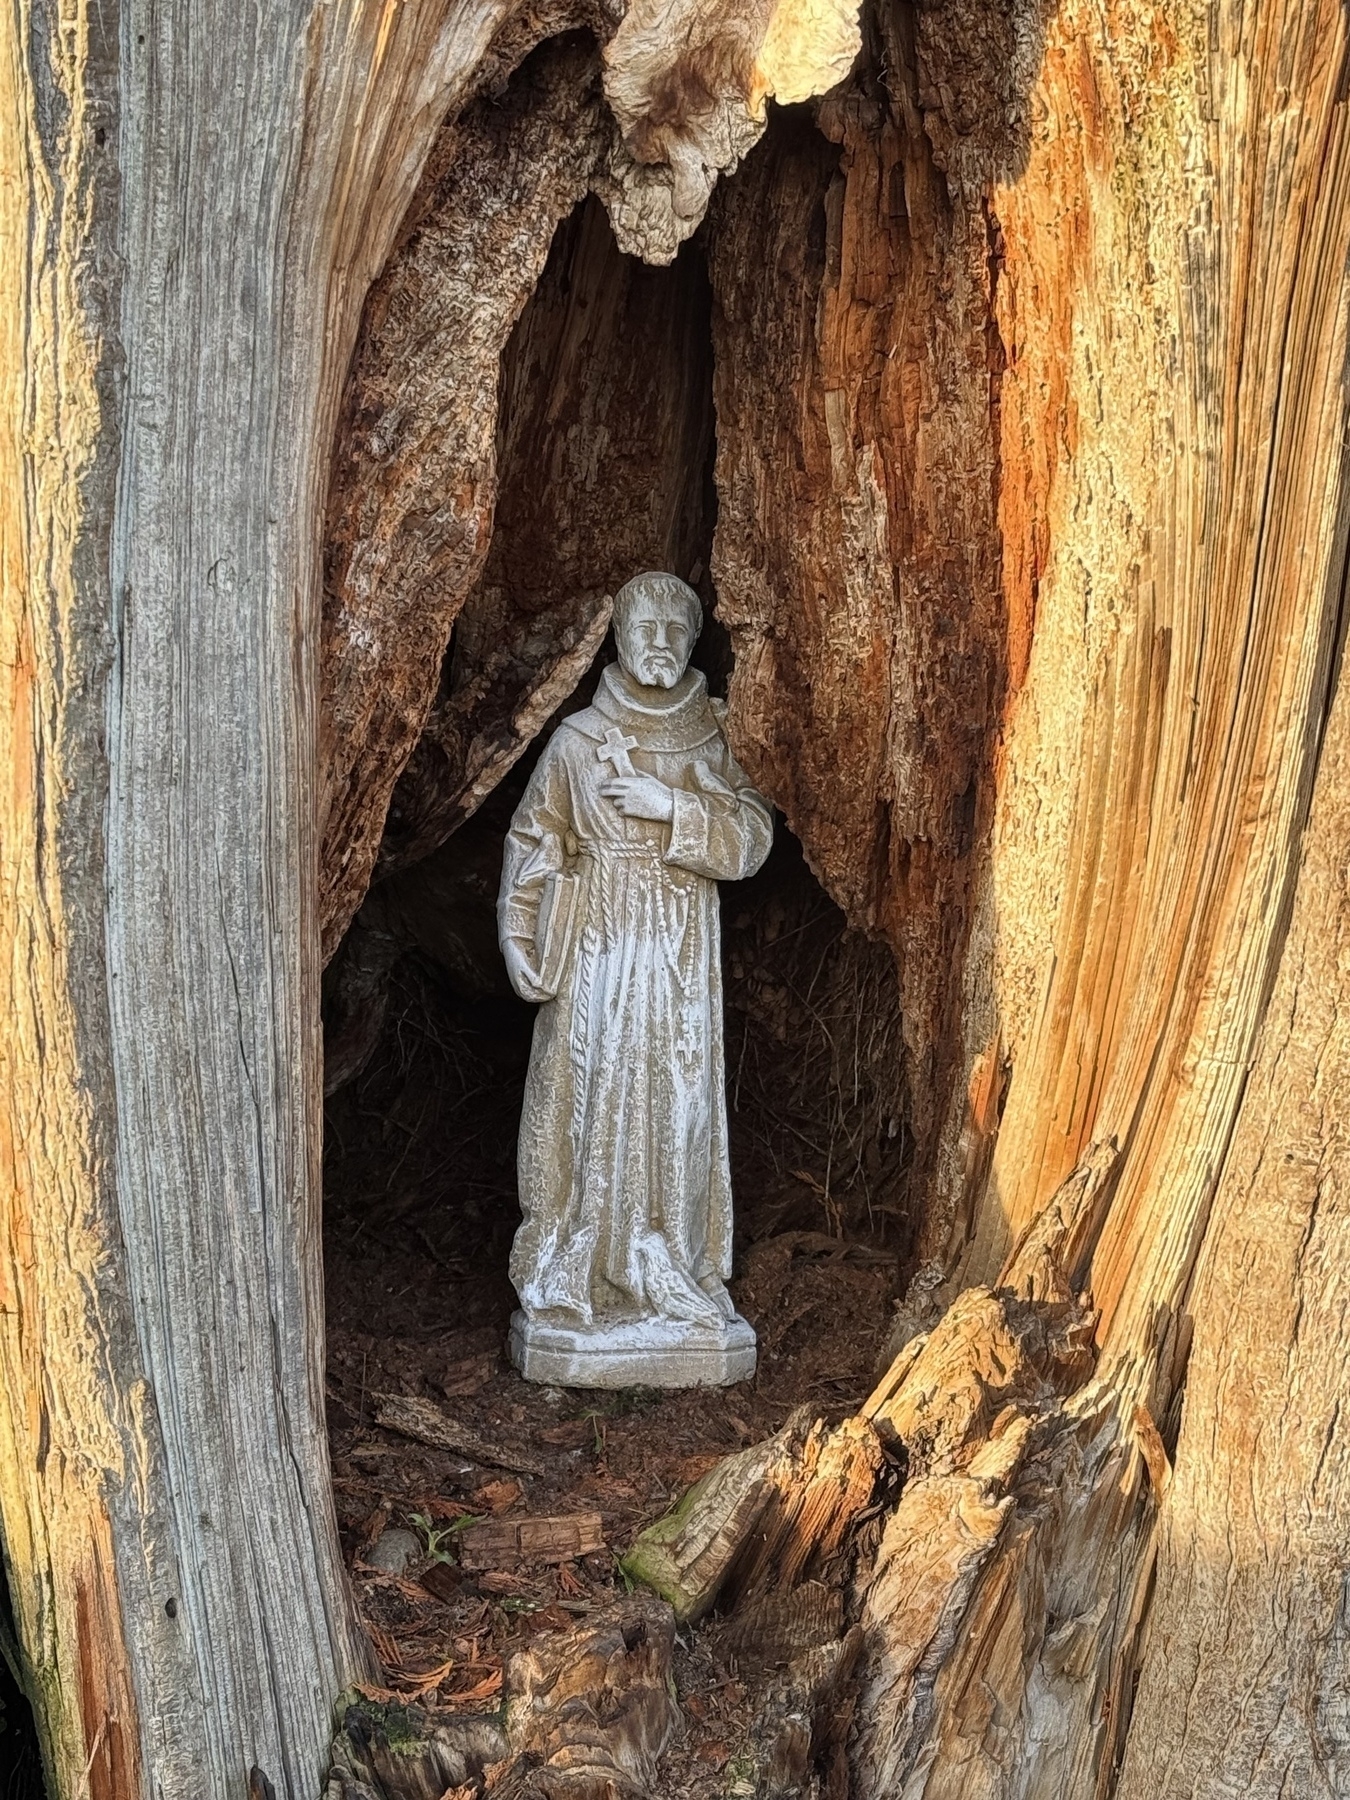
[1028, 354]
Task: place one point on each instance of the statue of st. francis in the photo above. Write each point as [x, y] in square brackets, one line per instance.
[608, 918]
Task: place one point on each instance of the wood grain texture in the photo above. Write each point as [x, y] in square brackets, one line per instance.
[1001, 1611]
[856, 556]
[586, 1714]
[414, 478]
[1157, 769]
[210, 928]
[502, 1543]
[81, 1498]
[1246, 1671]
[1029, 354]
[1189, 559]
[174, 321]
[426, 1423]
[603, 442]
[687, 82]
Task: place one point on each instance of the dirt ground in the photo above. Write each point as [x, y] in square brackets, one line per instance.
[420, 1213]
[820, 1307]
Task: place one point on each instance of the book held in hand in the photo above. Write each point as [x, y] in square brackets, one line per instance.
[554, 931]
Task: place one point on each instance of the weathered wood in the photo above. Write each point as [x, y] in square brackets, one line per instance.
[813, 1501]
[856, 555]
[1245, 1680]
[177, 313]
[603, 441]
[687, 85]
[775, 1626]
[1159, 761]
[586, 1715]
[989, 1354]
[994, 1611]
[686, 1556]
[769, 1517]
[1052, 1259]
[1029, 366]
[502, 1543]
[386, 1750]
[426, 1423]
[68, 1353]
[413, 486]
[801, 1731]
[588, 1712]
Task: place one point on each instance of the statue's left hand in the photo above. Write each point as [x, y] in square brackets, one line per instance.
[524, 978]
[640, 797]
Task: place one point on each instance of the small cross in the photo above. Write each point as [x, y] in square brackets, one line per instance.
[615, 750]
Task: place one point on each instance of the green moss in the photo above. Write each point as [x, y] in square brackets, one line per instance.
[650, 1560]
[399, 1728]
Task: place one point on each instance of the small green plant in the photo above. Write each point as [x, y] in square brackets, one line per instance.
[435, 1537]
[596, 1421]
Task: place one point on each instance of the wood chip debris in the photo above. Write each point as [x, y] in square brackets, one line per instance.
[500, 1543]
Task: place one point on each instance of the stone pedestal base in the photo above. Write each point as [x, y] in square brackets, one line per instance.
[644, 1353]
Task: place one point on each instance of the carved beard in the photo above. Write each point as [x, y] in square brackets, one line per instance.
[651, 667]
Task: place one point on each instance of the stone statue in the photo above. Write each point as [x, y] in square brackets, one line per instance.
[608, 917]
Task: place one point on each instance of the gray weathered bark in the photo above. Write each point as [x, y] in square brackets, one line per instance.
[187, 241]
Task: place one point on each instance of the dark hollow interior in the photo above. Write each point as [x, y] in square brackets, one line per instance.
[606, 450]
[419, 1171]
[20, 1759]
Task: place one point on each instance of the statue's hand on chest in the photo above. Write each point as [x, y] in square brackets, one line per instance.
[636, 796]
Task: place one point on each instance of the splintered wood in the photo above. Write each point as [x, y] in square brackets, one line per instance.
[761, 1519]
[586, 1715]
[980, 1417]
[989, 1355]
[501, 1543]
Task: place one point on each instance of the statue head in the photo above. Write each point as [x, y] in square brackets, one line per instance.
[656, 620]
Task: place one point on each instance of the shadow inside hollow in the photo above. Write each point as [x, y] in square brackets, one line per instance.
[20, 1759]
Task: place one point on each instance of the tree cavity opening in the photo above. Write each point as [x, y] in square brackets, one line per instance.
[605, 449]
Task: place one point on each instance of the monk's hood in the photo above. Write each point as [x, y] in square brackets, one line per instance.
[678, 718]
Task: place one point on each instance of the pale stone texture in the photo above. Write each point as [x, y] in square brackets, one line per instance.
[609, 917]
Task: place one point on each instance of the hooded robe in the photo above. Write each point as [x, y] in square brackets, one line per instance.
[623, 1171]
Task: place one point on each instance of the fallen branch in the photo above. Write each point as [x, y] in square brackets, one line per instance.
[425, 1423]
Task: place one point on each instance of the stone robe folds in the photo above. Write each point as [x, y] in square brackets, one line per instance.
[624, 1178]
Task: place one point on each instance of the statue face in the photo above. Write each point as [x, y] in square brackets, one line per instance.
[655, 641]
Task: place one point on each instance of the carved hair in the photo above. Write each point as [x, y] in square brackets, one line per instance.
[655, 586]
